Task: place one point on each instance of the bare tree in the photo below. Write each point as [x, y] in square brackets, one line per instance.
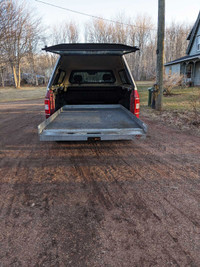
[143, 36]
[20, 36]
[175, 40]
[72, 32]
[67, 32]
[101, 31]
[43, 66]
[3, 29]
[98, 31]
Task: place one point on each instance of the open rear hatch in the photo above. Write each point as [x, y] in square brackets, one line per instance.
[91, 49]
[85, 122]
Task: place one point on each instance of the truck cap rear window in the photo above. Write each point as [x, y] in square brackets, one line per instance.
[91, 76]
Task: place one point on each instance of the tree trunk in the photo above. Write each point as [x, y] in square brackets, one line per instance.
[36, 80]
[15, 76]
[2, 78]
[19, 76]
[45, 79]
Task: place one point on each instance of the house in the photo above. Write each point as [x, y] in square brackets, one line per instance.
[189, 65]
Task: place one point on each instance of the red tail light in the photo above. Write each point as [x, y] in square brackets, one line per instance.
[135, 103]
[49, 104]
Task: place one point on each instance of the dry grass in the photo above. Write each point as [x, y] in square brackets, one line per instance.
[145, 83]
[24, 93]
[180, 100]
[181, 109]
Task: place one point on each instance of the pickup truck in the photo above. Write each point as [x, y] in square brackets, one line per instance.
[91, 95]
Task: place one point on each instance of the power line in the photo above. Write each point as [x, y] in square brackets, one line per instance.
[92, 16]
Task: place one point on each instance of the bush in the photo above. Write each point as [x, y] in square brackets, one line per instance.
[170, 82]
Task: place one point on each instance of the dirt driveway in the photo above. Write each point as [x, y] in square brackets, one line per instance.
[97, 204]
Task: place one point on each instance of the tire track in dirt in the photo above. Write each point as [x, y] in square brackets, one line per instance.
[86, 174]
[158, 173]
[98, 204]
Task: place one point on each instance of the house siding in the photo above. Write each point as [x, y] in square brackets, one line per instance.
[197, 74]
[194, 50]
[172, 69]
[167, 68]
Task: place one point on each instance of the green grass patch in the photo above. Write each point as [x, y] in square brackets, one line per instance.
[181, 100]
[24, 93]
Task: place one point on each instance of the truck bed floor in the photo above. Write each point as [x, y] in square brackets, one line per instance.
[80, 122]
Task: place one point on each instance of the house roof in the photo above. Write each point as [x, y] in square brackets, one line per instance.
[192, 34]
[189, 35]
[182, 59]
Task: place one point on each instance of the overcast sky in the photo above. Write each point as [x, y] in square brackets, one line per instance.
[178, 10]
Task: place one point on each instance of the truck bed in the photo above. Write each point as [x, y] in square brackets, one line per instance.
[83, 122]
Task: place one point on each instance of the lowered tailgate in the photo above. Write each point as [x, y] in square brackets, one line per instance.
[83, 122]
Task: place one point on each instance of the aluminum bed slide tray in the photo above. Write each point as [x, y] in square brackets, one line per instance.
[83, 122]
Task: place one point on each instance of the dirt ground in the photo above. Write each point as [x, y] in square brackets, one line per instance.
[125, 203]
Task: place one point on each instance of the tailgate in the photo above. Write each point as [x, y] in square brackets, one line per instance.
[83, 122]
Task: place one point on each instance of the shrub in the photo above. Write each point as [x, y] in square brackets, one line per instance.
[171, 81]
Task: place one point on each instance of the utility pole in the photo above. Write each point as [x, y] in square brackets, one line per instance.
[160, 54]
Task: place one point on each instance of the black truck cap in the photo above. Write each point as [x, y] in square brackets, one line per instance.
[91, 49]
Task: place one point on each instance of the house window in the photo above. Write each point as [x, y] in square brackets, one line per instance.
[198, 43]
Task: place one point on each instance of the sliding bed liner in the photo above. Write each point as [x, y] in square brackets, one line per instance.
[85, 122]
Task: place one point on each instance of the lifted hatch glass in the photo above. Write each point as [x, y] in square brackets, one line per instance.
[123, 77]
[59, 77]
[92, 76]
